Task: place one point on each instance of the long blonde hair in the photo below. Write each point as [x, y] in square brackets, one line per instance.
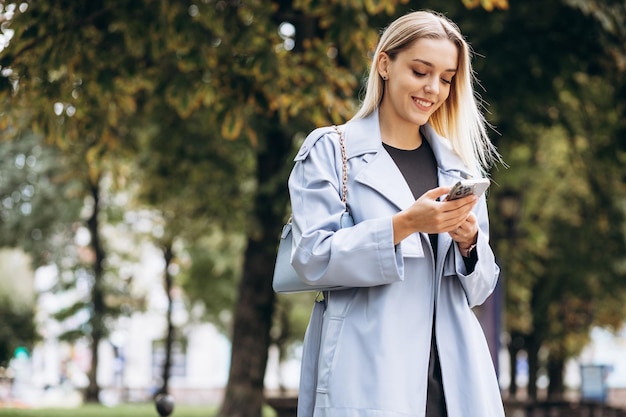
[459, 119]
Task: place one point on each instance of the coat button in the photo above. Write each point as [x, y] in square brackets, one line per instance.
[303, 150]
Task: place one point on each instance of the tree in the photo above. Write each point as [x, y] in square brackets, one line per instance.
[43, 199]
[587, 259]
[104, 107]
[51, 91]
[17, 328]
[559, 124]
[37, 196]
[36, 212]
[211, 204]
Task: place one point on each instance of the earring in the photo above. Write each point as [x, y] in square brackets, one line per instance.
[384, 78]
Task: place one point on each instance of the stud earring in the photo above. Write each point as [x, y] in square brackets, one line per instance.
[384, 78]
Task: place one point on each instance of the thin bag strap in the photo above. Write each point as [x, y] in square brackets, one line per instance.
[344, 171]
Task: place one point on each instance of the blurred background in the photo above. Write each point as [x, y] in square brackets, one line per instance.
[145, 147]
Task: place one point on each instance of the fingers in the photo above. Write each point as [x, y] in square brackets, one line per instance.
[435, 193]
[430, 215]
[438, 192]
[466, 230]
[459, 210]
[466, 203]
[468, 222]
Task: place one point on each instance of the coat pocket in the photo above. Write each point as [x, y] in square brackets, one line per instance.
[328, 350]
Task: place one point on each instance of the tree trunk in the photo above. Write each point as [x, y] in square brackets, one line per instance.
[255, 305]
[96, 321]
[556, 366]
[250, 341]
[169, 337]
[516, 344]
[513, 351]
[539, 307]
[533, 366]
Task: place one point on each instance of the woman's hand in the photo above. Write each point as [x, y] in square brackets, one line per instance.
[429, 215]
[466, 234]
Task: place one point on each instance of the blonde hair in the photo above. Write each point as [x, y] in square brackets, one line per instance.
[459, 119]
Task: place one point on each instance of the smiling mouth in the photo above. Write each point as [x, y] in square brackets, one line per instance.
[422, 103]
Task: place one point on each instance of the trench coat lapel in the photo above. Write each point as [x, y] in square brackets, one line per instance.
[381, 173]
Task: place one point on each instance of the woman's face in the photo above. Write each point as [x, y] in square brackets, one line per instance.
[418, 80]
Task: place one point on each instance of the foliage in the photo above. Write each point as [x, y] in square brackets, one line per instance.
[102, 91]
[611, 15]
[16, 329]
[290, 319]
[488, 5]
[556, 90]
[38, 198]
[17, 298]
[39, 206]
[199, 187]
[210, 267]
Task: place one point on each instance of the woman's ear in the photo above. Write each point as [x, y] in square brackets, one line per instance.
[382, 65]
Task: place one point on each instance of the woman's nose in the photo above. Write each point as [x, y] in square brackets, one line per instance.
[432, 86]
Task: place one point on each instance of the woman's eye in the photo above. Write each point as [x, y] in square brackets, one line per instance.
[419, 74]
[446, 81]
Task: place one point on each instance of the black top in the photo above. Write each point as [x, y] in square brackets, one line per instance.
[419, 168]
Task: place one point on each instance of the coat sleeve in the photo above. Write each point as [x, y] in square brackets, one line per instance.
[324, 253]
[479, 283]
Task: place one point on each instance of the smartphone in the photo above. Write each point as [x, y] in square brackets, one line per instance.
[464, 188]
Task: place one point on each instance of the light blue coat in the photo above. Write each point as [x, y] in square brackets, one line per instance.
[375, 345]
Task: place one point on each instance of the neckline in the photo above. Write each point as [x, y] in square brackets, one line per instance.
[393, 148]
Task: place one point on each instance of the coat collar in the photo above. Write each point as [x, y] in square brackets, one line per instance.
[363, 138]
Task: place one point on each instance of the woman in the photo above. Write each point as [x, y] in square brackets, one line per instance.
[401, 340]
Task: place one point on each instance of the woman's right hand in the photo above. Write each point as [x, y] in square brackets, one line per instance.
[429, 215]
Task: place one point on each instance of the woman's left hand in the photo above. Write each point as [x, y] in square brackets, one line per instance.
[466, 233]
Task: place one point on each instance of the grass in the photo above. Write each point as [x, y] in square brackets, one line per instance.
[126, 410]
[92, 410]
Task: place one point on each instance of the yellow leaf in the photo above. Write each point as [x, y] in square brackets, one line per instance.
[470, 4]
[501, 4]
[232, 125]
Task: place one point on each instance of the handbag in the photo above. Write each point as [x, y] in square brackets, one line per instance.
[286, 279]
